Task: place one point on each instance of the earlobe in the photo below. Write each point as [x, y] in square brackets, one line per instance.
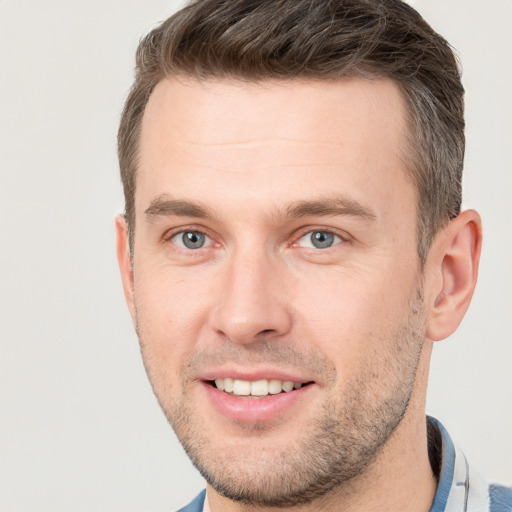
[124, 260]
[454, 262]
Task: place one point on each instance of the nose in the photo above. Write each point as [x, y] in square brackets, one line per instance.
[251, 304]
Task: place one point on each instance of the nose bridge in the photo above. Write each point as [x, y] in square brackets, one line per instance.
[252, 302]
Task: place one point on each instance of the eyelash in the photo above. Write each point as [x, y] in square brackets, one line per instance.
[338, 239]
[170, 235]
[341, 238]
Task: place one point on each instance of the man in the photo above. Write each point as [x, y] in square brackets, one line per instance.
[292, 247]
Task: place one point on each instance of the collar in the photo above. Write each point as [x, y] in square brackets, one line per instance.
[458, 490]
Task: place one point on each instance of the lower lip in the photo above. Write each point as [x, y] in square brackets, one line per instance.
[252, 409]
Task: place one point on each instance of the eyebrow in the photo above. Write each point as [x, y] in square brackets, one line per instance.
[330, 207]
[163, 206]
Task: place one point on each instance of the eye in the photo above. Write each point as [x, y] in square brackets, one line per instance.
[191, 240]
[319, 240]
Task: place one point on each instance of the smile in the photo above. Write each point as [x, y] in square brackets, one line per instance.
[259, 388]
[256, 399]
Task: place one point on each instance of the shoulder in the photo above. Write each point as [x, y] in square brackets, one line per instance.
[460, 487]
[500, 498]
[196, 505]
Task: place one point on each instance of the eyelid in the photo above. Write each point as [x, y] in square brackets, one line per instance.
[342, 235]
[173, 232]
[177, 240]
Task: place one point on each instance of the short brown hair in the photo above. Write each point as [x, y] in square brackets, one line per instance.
[256, 40]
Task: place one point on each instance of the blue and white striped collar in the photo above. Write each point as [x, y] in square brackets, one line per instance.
[460, 488]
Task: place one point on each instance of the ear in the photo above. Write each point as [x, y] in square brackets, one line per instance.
[125, 263]
[452, 267]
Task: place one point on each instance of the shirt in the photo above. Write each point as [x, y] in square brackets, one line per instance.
[460, 487]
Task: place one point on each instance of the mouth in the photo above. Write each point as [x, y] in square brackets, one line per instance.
[257, 400]
[256, 389]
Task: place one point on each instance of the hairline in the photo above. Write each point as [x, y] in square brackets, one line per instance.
[410, 149]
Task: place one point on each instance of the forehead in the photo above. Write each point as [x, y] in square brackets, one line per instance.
[293, 136]
[219, 111]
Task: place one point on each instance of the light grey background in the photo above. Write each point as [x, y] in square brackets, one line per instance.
[79, 427]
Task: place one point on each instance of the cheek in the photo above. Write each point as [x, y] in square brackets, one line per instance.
[349, 313]
[171, 311]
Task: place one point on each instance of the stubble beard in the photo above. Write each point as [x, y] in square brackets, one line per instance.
[334, 448]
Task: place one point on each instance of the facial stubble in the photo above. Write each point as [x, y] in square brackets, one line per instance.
[334, 448]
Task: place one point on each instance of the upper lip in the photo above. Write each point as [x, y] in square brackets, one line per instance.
[254, 374]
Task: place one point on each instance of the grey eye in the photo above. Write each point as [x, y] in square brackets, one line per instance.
[190, 239]
[321, 239]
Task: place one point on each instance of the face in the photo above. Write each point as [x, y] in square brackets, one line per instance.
[276, 286]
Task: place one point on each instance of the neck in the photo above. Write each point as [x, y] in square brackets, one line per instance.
[399, 480]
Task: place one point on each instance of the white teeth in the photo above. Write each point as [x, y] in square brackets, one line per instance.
[259, 388]
[274, 387]
[241, 387]
[287, 385]
[262, 387]
[228, 385]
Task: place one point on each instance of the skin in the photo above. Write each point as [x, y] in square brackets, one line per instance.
[257, 168]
